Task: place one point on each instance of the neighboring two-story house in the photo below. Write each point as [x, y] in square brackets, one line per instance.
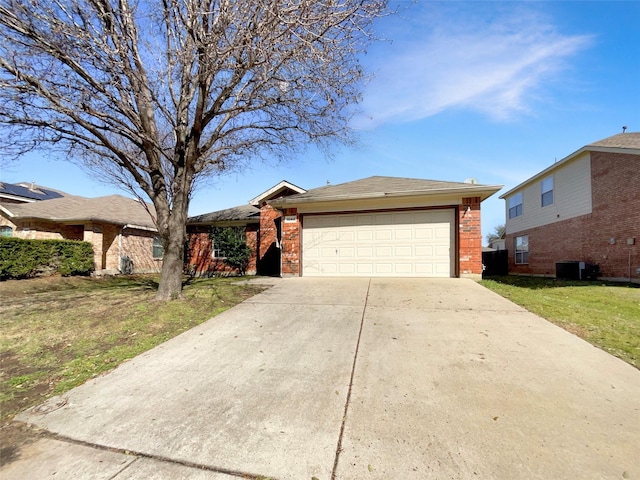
[583, 208]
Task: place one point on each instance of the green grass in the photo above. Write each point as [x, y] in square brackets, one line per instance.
[606, 315]
[56, 333]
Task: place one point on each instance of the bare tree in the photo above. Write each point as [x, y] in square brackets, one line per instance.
[498, 233]
[156, 94]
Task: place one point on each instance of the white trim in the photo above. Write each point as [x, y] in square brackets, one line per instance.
[280, 186]
[567, 159]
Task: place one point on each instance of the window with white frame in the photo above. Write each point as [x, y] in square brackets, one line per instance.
[226, 237]
[6, 231]
[522, 249]
[216, 252]
[547, 191]
[515, 205]
[158, 249]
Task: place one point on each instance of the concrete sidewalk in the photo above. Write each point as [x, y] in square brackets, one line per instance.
[450, 381]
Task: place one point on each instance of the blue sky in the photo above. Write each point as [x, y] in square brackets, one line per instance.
[496, 91]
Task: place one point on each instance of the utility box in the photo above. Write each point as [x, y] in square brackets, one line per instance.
[576, 270]
[568, 270]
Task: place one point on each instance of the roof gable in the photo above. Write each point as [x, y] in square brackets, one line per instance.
[282, 189]
[626, 143]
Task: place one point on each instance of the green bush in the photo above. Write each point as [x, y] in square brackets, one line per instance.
[232, 243]
[25, 258]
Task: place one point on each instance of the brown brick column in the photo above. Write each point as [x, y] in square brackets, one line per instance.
[470, 238]
[291, 243]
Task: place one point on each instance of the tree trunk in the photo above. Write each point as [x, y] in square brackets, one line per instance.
[174, 235]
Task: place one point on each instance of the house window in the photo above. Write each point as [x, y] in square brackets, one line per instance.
[6, 231]
[215, 251]
[547, 191]
[226, 237]
[158, 250]
[522, 249]
[515, 205]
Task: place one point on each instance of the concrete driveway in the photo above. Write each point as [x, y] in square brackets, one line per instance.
[352, 379]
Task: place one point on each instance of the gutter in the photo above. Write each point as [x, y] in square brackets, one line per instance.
[283, 202]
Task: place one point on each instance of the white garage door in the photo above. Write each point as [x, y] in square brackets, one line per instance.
[391, 244]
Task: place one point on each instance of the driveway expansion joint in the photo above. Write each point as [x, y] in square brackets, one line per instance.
[348, 400]
[158, 458]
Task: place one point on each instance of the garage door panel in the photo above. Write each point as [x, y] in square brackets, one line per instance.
[384, 234]
[383, 268]
[424, 251]
[424, 268]
[423, 233]
[404, 251]
[364, 219]
[364, 268]
[403, 234]
[413, 243]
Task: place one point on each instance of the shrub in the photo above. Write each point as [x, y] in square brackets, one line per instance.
[25, 258]
[232, 243]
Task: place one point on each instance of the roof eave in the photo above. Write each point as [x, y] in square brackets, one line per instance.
[567, 159]
[484, 191]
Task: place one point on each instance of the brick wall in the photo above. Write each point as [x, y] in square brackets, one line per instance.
[108, 246]
[469, 237]
[291, 243]
[268, 248]
[41, 230]
[199, 253]
[615, 215]
[138, 246]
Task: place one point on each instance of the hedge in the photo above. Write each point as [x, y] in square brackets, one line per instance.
[26, 258]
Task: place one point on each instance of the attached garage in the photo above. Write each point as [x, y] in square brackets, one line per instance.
[413, 243]
[384, 227]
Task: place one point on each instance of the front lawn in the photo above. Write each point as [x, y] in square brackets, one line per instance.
[55, 333]
[606, 315]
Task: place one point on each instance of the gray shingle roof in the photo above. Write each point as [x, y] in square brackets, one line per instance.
[378, 186]
[621, 140]
[242, 213]
[114, 209]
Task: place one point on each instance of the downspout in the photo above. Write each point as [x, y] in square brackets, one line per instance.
[120, 249]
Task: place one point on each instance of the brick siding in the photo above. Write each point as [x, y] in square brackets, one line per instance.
[108, 245]
[291, 244]
[615, 215]
[199, 252]
[268, 247]
[469, 237]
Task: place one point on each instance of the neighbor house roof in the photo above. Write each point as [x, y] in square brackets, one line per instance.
[384, 187]
[628, 143]
[114, 209]
[243, 213]
[28, 192]
[621, 140]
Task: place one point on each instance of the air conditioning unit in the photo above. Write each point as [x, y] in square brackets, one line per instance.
[576, 270]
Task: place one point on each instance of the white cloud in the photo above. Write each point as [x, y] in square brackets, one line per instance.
[495, 67]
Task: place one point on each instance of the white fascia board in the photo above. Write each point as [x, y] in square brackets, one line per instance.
[567, 159]
[283, 184]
